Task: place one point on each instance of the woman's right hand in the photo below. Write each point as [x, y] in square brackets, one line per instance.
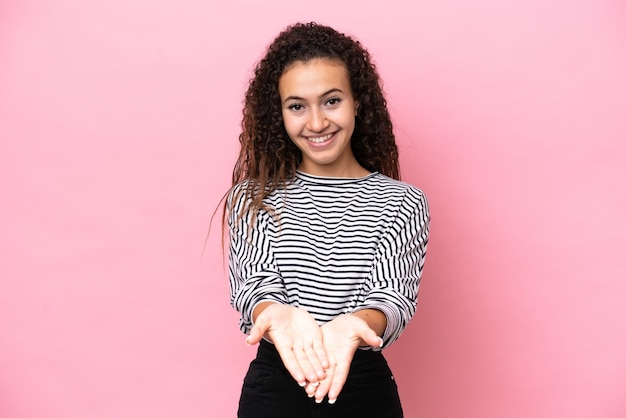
[297, 338]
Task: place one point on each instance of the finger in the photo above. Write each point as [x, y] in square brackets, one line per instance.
[320, 351]
[315, 362]
[324, 386]
[339, 379]
[370, 338]
[305, 362]
[256, 333]
[291, 364]
[310, 388]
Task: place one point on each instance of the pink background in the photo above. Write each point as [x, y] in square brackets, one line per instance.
[118, 127]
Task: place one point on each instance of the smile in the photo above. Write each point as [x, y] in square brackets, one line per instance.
[319, 139]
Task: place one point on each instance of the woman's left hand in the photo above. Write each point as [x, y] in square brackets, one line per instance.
[342, 337]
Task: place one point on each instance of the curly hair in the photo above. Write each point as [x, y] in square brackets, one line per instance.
[268, 159]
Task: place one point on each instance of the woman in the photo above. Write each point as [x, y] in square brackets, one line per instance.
[327, 246]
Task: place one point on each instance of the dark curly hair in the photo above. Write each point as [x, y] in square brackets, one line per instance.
[268, 159]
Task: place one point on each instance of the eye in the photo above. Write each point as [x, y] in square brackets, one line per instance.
[333, 101]
[295, 107]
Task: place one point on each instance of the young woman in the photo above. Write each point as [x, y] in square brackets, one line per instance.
[327, 246]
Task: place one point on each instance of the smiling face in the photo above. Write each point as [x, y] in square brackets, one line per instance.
[319, 113]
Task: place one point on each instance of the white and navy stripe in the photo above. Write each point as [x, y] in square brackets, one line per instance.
[334, 246]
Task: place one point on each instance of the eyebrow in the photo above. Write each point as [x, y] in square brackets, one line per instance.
[333, 90]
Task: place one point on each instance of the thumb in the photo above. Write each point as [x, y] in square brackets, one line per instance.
[370, 337]
[257, 331]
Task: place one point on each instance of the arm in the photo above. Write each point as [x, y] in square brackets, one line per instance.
[395, 279]
[391, 300]
[254, 276]
[258, 293]
[374, 319]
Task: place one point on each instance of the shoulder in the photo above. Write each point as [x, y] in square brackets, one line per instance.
[242, 205]
[237, 195]
[397, 189]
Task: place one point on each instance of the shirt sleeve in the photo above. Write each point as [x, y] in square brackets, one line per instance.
[398, 268]
[254, 276]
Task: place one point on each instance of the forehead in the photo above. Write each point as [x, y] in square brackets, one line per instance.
[315, 75]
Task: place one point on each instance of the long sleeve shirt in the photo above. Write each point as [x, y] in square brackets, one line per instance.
[331, 246]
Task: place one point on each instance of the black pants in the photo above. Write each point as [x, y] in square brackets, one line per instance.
[269, 391]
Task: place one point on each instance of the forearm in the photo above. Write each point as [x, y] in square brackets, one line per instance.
[260, 307]
[374, 319]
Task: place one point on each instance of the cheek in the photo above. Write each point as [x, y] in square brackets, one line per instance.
[348, 121]
[291, 125]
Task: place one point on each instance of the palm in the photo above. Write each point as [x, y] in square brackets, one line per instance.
[297, 338]
[342, 337]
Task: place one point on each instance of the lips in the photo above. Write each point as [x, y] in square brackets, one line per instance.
[319, 139]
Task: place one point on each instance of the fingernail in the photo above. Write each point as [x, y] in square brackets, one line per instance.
[381, 342]
[318, 401]
[316, 384]
[302, 384]
[332, 401]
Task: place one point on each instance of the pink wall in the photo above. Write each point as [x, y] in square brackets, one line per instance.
[118, 125]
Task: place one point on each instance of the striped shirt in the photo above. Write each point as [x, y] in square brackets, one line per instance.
[334, 246]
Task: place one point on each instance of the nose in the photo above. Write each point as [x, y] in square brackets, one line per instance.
[317, 120]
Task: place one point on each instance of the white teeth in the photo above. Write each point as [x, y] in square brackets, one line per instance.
[319, 138]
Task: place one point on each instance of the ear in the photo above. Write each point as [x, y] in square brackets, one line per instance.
[356, 108]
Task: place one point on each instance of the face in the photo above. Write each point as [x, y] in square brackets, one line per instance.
[319, 112]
